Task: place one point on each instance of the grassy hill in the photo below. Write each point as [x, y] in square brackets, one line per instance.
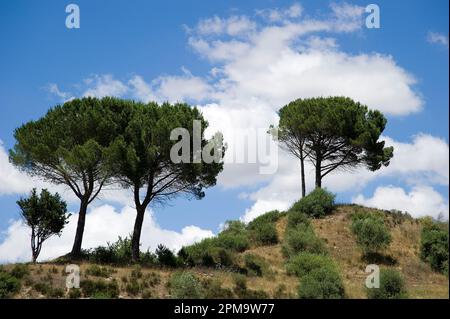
[262, 266]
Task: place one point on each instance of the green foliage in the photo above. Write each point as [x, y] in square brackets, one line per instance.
[184, 285]
[302, 239]
[99, 289]
[118, 253]
[45, 214]
[74, 293]
[206, 253]
[371, 233]
[303, 263]
[263, 230]
[392, 286]
[98, 271]
[142, 156]
[434, 246]
[256, 265]
[234, 237]
[213, 290]
[20, 271]
[336, 132]
[9, 285]
[242, 292]
[321, 283]
[166, 257]
[46, 289]
[295, 218]
[69, 145]
[318, 203]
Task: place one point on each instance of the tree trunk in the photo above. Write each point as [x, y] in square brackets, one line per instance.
[135, 240]
[318, 172]
[302, 174]
[76, 249]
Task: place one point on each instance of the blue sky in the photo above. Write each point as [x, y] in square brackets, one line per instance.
[155, 41]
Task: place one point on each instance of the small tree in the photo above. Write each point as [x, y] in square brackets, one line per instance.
[371, 233]
[392, 286]
[46, 215]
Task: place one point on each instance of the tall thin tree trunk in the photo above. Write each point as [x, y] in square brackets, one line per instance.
[76, 249]
[318, 172]
[302, 175]
[136, 238]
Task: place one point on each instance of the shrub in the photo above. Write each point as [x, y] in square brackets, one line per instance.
[9, 285]
[302, 239]
[100, 289]
[267, 218]
[262, 229]
[316, 204]
[305, 262]
[133, 287]
[74, 293]
[19, 271]
[98, 271]
[255, 265]
[206, 253]
[184, 285]
[264, 234]
[434, 246]
[115, 253]
[295, 218]
[371, 233]
[392, 286]
[242, 292]
[136, 273]
[166, 257]
[213, 290]
[321, 283]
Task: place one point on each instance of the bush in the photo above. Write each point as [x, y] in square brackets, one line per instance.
[267, 218]
[206, 253]
[100, 289]
[115, 253]
[98, 271]
[316, 204]
[434, 246]
[263, 230]
[214, 290]
[184, 285]
[242, 292]
[74, 293]
[392, 286]
[305, 262]
[166, 257]
[9, 285]
[302, 239]
[321, 283]
[371, 233]
[295, 218]
[19, 271]
[255, 265]
[233, 237]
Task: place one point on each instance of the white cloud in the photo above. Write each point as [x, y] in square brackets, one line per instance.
[233, 26]
[281, 15]
[104, 85]
[437, 38]
[63, 96]
[103, 224]
[420, 201]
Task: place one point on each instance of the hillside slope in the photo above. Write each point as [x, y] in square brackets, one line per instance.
[48, 279]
